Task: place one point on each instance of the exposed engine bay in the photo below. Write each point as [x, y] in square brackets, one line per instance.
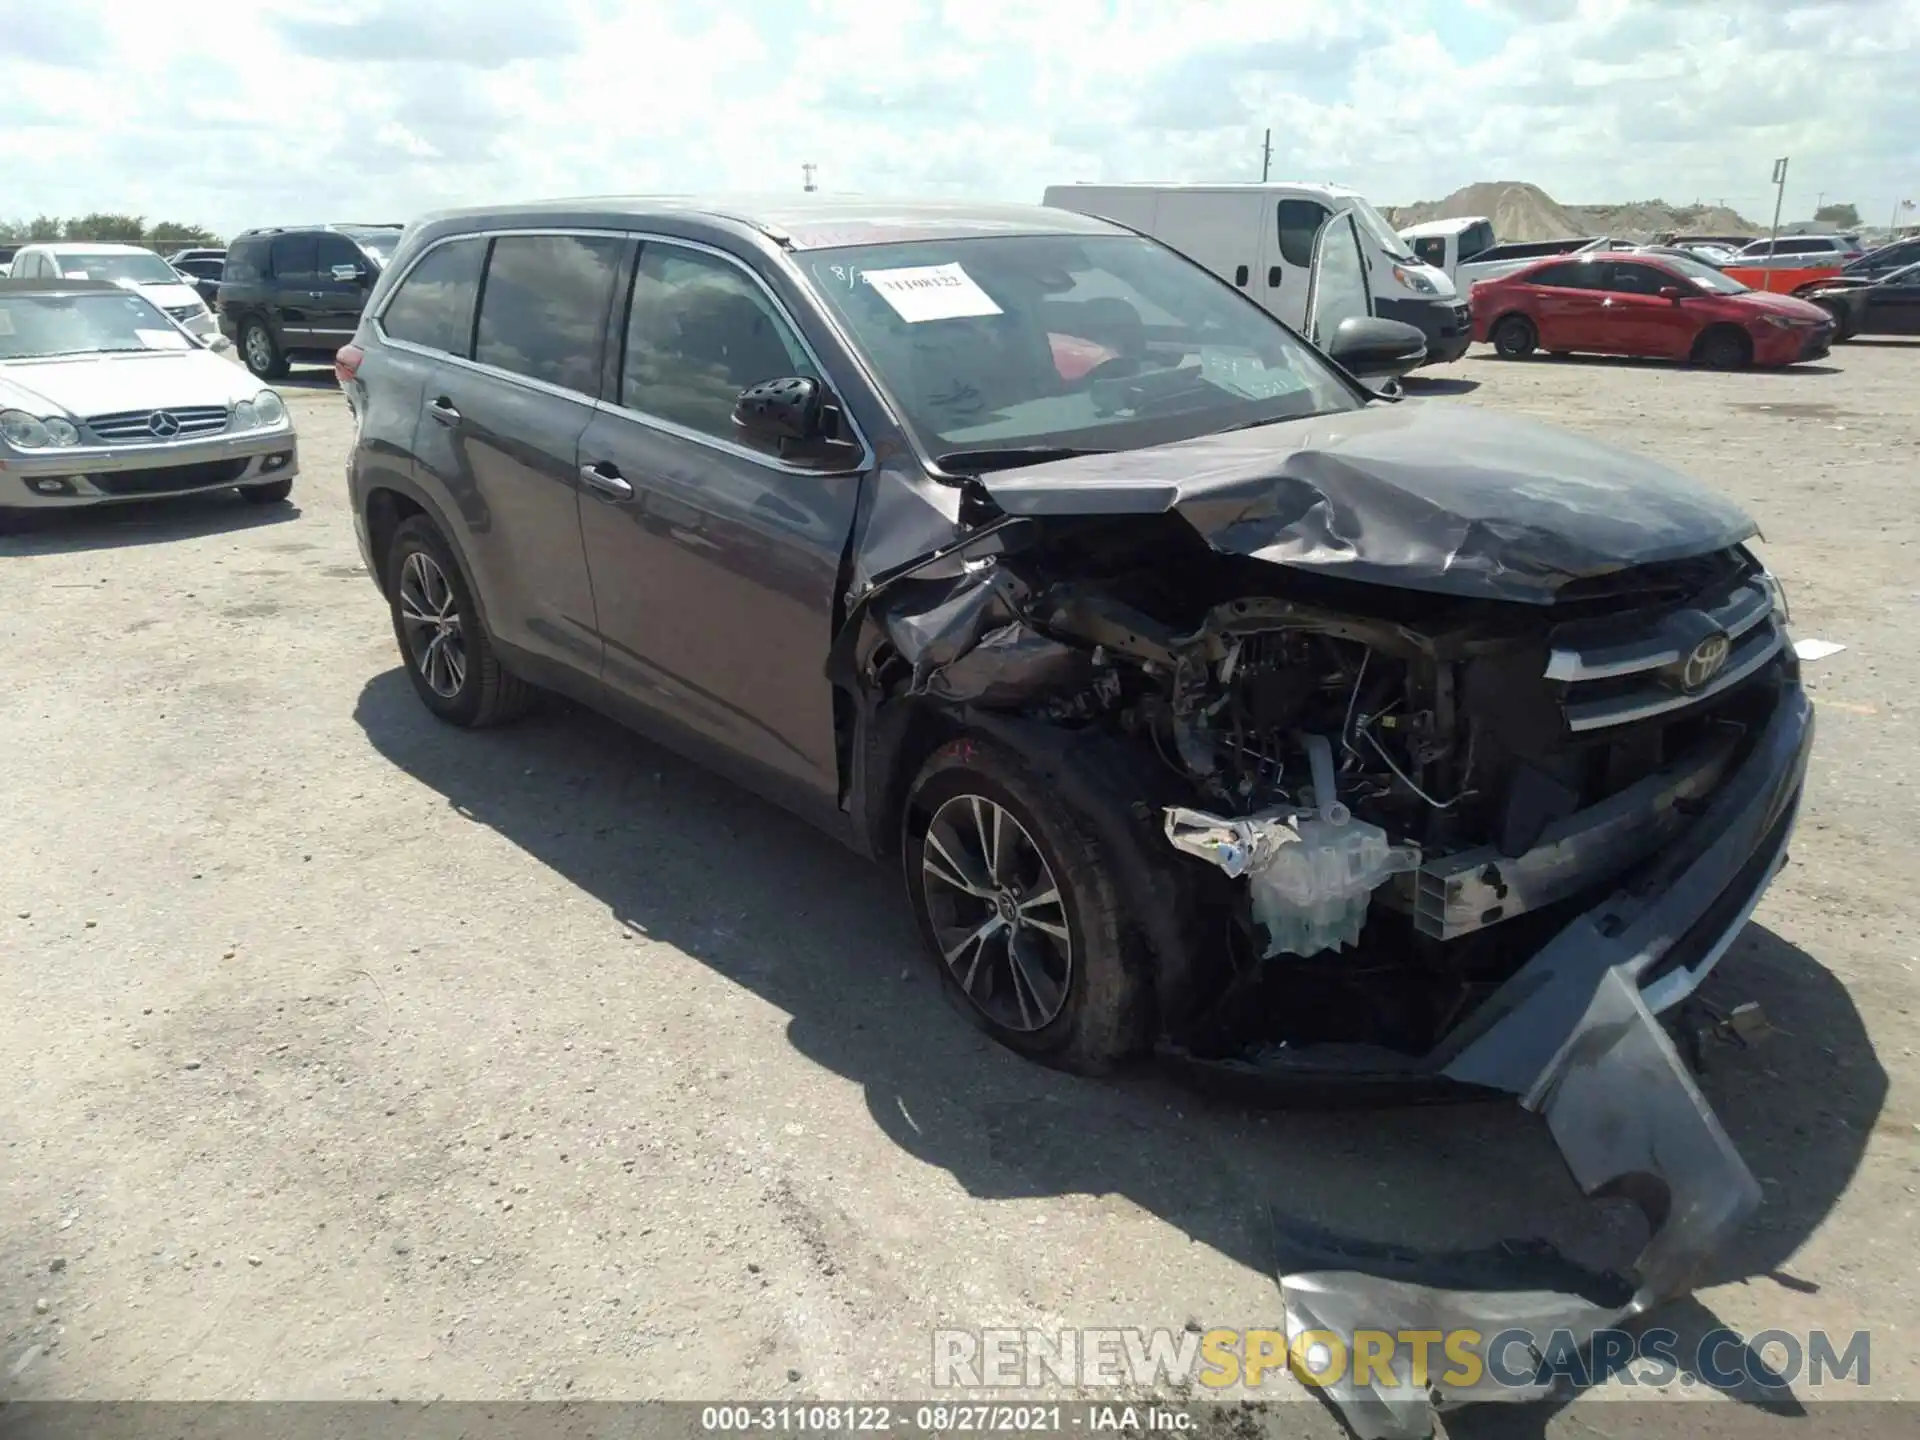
[1378, 802]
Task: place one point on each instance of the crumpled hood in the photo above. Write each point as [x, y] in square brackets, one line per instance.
[1425, 495]
[102, 384]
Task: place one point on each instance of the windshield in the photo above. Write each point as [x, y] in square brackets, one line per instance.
[1705, 276]
[377, 243]
[1382, 234]
[1065, 341]
[36, 326]
[142, 267]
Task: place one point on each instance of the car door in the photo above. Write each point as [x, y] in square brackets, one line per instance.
[1337, 280]
[290, 265]
[1639, 319]
[1566, 303]
[1892, 307]
[715, 563]
[341, 280]
[1288, 258]
[499, 436]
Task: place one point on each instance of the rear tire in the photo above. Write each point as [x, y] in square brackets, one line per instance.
[1723, 348]
[1514, 337]
[260, 353]
[1064, 983]
[271, 493]
[445, 648]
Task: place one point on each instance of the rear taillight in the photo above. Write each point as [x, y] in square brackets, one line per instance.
[346, 362]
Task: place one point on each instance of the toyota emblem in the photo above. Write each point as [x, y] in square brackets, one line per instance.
[1706, 661]
[163, 425]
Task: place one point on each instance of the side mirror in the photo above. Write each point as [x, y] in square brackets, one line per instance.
[794, 416]
[1671, 292]
[1372, 348]
[348, 274]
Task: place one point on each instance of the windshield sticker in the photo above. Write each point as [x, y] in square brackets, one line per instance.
[162, 339]
[931, 292]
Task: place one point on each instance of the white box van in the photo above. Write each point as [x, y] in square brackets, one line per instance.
[1260, 238]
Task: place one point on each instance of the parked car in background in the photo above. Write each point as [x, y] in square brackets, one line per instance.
[1788, 264]
[7, 252]
[294, 293]
[805, 490]
[1466, 252]
[202, 269]
[1895, 255]
[128, 265]
[1888, 305]
[1657, 306]
[1259, 239]
[103, 397]
[1714, 255]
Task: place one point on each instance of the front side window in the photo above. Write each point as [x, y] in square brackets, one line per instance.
[1087, 342]
[1299, 222]
[294, 257]
[699, 331]
[1637, 280]
[336, 250]
[434, 304]
[543, 307]
[1340, 284]
[142, 267]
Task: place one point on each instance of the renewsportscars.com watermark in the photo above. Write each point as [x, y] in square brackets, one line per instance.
[1011, 1359]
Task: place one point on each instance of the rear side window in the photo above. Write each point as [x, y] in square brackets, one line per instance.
[543, 307]
[246, 261]
[294, 257]
[1299, 224]
[1474, 239]
[434, 304]
[1573, 275]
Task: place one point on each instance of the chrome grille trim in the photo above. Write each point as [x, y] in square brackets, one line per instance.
[1736, 614]
[134, 425]
[1749, 655]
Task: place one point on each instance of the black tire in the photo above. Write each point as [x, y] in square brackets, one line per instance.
[271, 493]
[486, 693]
[260, 352]
[1103, 1019]
[1514, 337]
[1723, 348]
[1842, 329]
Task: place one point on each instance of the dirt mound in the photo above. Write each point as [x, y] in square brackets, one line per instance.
[1520, 211]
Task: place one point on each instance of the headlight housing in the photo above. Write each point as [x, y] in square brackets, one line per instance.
[243, 415]
[269, 410]
[1415, 281]
[31, 432]
[1779, 322]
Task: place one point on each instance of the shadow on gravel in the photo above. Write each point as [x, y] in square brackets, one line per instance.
[1438, 385]
[138, 522]
[826, 937]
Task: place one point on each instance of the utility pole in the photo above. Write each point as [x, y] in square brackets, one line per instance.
[806, 175]
[1266, 156]
[1773, 239]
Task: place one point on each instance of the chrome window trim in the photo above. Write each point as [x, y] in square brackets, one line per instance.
[864, 462]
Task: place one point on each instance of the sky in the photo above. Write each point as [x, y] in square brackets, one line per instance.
[259, 113]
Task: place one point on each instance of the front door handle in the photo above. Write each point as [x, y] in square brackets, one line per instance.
[442, 410]
[604, 478]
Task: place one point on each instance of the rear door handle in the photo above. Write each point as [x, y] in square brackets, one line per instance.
[604, 478]
[442, 410]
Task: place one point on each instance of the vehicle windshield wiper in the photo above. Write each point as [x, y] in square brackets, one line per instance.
[1008, 457]
[1273, 420]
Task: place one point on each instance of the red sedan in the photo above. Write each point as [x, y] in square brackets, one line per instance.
[1659, 306]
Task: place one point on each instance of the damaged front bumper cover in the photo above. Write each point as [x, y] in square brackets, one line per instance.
[1573, 1036]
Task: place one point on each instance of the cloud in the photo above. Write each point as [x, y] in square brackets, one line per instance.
[388, 109]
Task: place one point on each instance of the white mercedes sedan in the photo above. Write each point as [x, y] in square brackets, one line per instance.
[103, 397]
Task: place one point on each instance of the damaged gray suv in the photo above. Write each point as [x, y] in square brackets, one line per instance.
[1214, 703]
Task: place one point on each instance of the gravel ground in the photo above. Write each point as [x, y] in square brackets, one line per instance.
[349, 1055]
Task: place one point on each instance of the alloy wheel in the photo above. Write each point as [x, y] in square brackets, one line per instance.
[430, 616]
[259, 349]
[997, 914]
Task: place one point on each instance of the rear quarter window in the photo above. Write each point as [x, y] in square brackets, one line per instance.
[246, 262]
[433, 306]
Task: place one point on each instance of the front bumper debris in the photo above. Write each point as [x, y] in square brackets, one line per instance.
[1572, 1035]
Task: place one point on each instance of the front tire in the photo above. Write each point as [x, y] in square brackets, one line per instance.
[271, 493]
[1018, 908]
[260, 353]
[1723, 349]
[1514, 338]
[443, 645]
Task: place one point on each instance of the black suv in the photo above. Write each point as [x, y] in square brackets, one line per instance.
[295, 292]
